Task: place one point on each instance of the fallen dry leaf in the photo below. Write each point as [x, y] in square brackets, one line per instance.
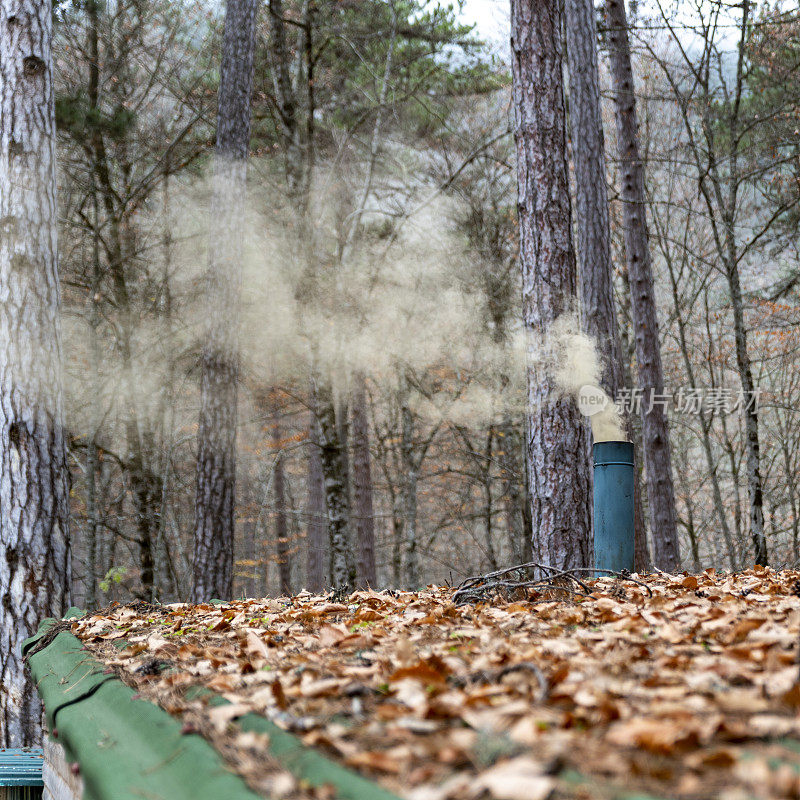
[518, 779]
[220, 716]
[677, 686]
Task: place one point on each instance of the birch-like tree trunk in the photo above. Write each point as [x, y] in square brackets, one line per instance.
[34, 494]
[655, 431]
[559, 476]
[595, 270]
[362, 488]
[216, 459]
[334, 472]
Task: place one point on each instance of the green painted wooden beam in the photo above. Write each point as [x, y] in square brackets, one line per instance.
[303, 762]
[127, 748]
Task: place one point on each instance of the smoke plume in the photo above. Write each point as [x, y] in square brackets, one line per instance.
[576, 368]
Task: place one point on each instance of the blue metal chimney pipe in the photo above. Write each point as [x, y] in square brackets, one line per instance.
[613, 506]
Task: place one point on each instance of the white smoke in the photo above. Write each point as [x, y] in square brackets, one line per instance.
[574, 363]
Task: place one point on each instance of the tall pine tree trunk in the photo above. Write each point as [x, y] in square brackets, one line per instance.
[216, 459]
[655, 432]
[34, 494]
[558, 469]
[595, 271]
[362, 488]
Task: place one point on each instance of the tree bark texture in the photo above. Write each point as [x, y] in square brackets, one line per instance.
[752, 444]
[281, 530]
[598, 311]
[595, 268]
[146, 489]
[343, 424]
[755, 484]
[559, 474]
[641, 551]
[509, 459]
[655, 432]
[362, 488]
[488, 500]
[334, 475]
[317, 529]
[34, 493]
[410, 466]
[216, 459]
[289, 123]
[92, 517]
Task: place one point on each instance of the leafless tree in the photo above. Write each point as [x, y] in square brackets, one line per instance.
[216, 459]
[655, 431]
[34, 500]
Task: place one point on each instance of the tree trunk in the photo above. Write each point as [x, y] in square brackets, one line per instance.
[146, 496]
[488, 500]
[556, 450]
[317, 530]
[513, 490]
[281, 531]
[35, 574]
[705, 421]
[92, 517]
[595, 270]
[216, 459]
[165, 408]
[655, 433]
[641, 552]
[598, 311]
[691, 528]
[343, 425]
[398, 536]
[750, 414]
[333, 471]
[289, 127]
[409, 478]
[362, 488]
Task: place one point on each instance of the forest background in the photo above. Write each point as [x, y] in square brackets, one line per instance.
[381, 152]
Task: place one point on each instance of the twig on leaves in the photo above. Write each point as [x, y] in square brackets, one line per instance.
[479, 587]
